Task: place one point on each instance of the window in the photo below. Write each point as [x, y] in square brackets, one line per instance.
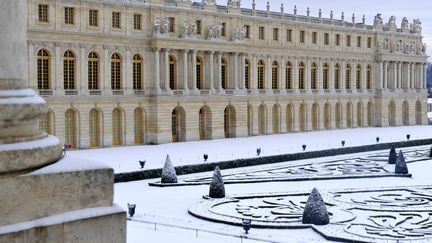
[69, 70]
[247, 27]
[93, 18]
[93, 71]
[172, 73]
[348, 77]
[199, 73]
[171, 24]
[359, 41]
[69, 15]
[137, 21]
[224, 73]
[70, 127]
[302, 76]
[358, 77]
[94, 127]
[314, 77]
[43, 13]
[314, 37]
[337, 71]
[288, 76]
[260, 74]
[139, 124]
[199, 26]
[137, 72]
[43, 69]
[326, 39]
[348, 40]
[116, 20]
[261, 33]
[117, 126]
[337, 39]
[247, 74]
[289, 35]
[224, 30]
[275, 75]
[45, 122]
[116, 72]
[369, 42]
[369, 77]
[275, 34]
[302, 36]
[325, 76]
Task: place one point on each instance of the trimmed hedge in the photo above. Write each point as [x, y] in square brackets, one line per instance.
[205, 167]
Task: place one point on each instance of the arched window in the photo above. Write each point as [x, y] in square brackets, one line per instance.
[69, 70]
[327, 116]
[359, 114]
[358, 77]
[348, 77]
[250, 120]
[405, 113]
[46, 122]
[262, 119]
[315, 117]
[302, 76]
[71, 128]
[116, 83]
[261, 75]
[369, 77]
[302, 118]
[205, 123]
[392, 113]
[370, 114]
[224, 74]
[247, 74]
[95, 128]
[288, 76]
[276, 119]
[199, 73]
[139, 126]
[275, 75]
[43, 69]
[419, 113]
[349, 115]
[137, 72]
[178, 124]
[338, 115]
[117, 127]
[314, 77]
[172, 73]
[290, 118]
[230, 122]
[325, 76]
[337, 73]
[93, 71]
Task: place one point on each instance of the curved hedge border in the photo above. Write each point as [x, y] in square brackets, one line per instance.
[205, 167]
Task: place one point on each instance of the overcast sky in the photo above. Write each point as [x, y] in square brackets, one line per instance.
[411, 9]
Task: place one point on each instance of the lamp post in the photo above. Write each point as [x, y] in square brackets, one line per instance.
[246, 223]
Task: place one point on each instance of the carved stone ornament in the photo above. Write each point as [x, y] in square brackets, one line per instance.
[378, 22]
[392, 24]
[234, 3]
[209, 2]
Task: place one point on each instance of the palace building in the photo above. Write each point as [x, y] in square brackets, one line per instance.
[125, 72]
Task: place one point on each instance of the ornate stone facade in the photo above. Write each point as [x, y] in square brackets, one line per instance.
[151, 72]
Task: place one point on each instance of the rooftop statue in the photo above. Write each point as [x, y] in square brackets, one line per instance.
[233, 3]
[378, 22]
[209, 2]
[416, 26]
[392, 23]
[405, 25]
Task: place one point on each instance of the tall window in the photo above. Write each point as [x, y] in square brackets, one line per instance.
[69, 70]
[358, 77]
[302, 76]
[172, 73]
[69, 15]
[348, 76]
[93, 71]
[314, 37]
[369, 42]
[261, 34]
[314, 77]
[325, 76]
[43, 13]
[199, 73]
[93, 18]
[224, 29]
[326, 39]
[171, 26]
[275, 75]
[247, 35]
[199, 26]
[275, 34]
[348, 40]
[137, 21]
[94, 128]
[71, 127]
[117, 126]
[288, 76]
[224, 74]
[337, 73]
[45, 122]
[139, 125]
[289, 35]
[369, 77]
[261, 75]
[116, 20]
[247, 74]
[302, 36]
[116, 72]
[359, 41]
[137, 72]
[43, 69]
[337, 40]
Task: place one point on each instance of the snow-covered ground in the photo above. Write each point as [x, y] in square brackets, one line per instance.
[124, 159]
[170, 206]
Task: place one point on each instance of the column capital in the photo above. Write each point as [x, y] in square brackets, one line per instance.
[156, 49]
[185, 50]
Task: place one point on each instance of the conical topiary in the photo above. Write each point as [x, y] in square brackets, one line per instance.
[392, 156]
[315, 211]
[217, 187]
[401, 166]
[168, 172]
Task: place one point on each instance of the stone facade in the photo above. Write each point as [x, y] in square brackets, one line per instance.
[151, 72]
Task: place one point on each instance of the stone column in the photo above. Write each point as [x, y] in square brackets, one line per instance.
[331, 76]
[166, 69]
[254, 74]
[282, 75]
[211, 70]
[194, 70]
[295, 70]
[424, 75]
[235, 82]
[23, 145]
[308, 80]
[243, 72]
[385, 78]
[268, 75]
[411, 71]
[156, 84]
[399, 80]
[218, 72]
[185, 86]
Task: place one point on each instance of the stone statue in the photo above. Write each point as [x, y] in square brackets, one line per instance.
[422, 48]
[386, 44]
[194, 29]
[392, 23]
[157, 25]
[185, 29]
[416, 26]
[165, 25]
[405, 25]
[219, 30]
[213, 32]
[209, 2]
[239, 33]
[233, 3]
[378, 21]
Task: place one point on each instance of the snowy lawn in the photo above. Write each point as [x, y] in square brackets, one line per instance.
[170, 205]
[125, 159]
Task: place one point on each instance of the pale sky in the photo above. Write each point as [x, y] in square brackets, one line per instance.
[411, 9]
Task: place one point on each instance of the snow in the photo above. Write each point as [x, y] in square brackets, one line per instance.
[16, 93]
[125, 159]
[47, 141]
[169, 205]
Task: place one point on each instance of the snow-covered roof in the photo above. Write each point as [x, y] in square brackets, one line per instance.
[430, 101]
